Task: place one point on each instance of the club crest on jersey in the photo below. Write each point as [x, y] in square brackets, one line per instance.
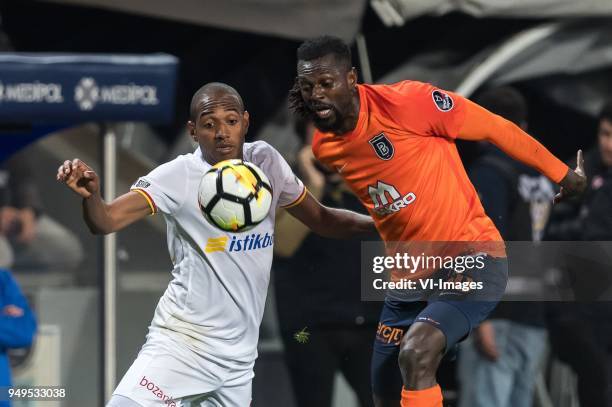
[443, 101]
[382, 146]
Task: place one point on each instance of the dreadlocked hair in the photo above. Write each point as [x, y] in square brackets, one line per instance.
[296, 102]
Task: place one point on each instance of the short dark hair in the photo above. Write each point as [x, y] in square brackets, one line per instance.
[606, 111]
[210, 88]
[505, 101]
[325, 45]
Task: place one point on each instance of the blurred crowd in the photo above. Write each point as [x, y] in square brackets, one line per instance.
[30, 239]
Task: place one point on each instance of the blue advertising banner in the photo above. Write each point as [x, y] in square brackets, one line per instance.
[73, 88]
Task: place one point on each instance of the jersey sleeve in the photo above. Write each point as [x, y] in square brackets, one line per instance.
[164, 188]
[286, 185]
[426, 109]
[480, 124]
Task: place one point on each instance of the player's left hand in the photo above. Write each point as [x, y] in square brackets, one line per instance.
[574, 183]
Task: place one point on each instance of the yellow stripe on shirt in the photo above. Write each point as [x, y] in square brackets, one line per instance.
[298, 200]
[148, 198]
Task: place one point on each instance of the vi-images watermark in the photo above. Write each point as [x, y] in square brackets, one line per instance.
[402, 265]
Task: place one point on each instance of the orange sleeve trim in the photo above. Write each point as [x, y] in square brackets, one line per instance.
[298, 200]
[480, 124]
[148, 198]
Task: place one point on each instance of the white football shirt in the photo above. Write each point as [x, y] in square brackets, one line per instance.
[215, 301]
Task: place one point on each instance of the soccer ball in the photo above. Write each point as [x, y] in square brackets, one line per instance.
[235, 195]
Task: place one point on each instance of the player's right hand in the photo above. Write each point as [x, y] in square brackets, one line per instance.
[574, 183]
[79, 177]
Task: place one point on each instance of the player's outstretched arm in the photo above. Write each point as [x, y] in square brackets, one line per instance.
[332, 222]
[480, 124]
[101, 218]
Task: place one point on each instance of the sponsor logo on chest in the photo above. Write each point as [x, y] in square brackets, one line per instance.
[387, 199]
[253, 241]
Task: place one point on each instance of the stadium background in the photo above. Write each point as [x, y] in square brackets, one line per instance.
[560, 58]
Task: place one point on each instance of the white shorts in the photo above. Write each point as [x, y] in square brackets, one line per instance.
[168, 374]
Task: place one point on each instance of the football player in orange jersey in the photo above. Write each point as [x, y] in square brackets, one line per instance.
[395, 147]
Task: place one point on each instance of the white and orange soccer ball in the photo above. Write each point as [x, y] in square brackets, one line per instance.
[235, 195]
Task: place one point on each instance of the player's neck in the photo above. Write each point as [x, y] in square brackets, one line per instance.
[350, 122]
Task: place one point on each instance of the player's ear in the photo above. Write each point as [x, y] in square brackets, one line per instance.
[352, 77]
[191, 129]
[245, 117]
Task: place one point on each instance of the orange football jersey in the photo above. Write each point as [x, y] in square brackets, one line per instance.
[402, 162]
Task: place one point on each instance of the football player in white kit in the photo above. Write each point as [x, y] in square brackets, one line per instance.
[202, 341]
